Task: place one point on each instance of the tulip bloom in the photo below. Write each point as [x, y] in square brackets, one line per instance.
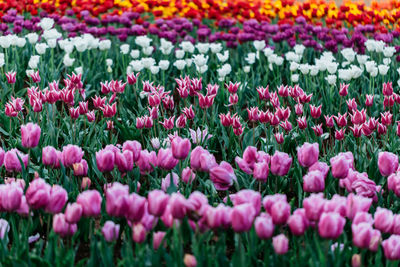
[105, 159]
[110, 231]
[49, 156]
[38, 194]
[73, 213]
[384, 220]
[158, 237]
[180, 147]
[391, 247]
[62, 227]
[71, 154]
[331, 225]
[242, 217]
[308, 154]
[11, 160]
[280, 163]
[314, 181]
[222, 176]
[264, 226]
[57, 200]
[90, 201]
[388, 163]
[30, 135]
[157, 202]
[280, 244]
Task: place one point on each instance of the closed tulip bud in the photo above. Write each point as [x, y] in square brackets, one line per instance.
[90, 201]
[57, 200]
[11, 77]
[383, 220]
[188, 175]
[105, 159]
[356, 260]
[110, 231]
[189, 260]
[11, 160]
[158, 237]
[315, 111]
[280, 163]
[81, 168]
[280, 244]
[222, 176]
[86, 182]
[264, 226]
[73, 213]
[38, 194]
[388, 163]
[71, 154]
[308, 154]
[138, 233]
[62, 227]
[331, 225]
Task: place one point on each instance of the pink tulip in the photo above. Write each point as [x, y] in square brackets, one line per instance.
[10, 196]
[116, 199]
[261, 171]
[138, 233]
[124, 161]
[38, 194]
[179, 205]
[157, 202]
[57, 200]
[135, 147]
[222, 176]
[62, 227]
[165, 159]
[90, 200]
[136, 206]
[158, 237]
[264, 226]
[188, 175]
[110, 231]
[340, 166]
[280, 244]
[71, 154]
[388, 163]
[331, 225]
[11, 160]
[308, 154]
[280, 212]
[86, 182]
[363, 217]
[81, 168]
[314, 206]
[247, 196]
[105, 159]
[280, 163]
[23, 209]
[320, 166]
[270, 200]
[73, 213]
[2, 154]
[364, 236]
[180, 147]
[166, 182]
[336, 204]
[298, 222]
[314, 181]
[242, 217]
[146, 161]
[391, 247]
[383, 220]
[189, 260]
[356, 204]
[49, 156]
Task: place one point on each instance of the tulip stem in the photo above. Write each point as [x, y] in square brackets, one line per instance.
[48, 227]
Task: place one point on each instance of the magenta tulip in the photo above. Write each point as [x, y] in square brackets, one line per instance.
[30, 135]
[308, 154]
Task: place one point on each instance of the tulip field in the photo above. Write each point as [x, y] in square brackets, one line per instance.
[199, 133]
